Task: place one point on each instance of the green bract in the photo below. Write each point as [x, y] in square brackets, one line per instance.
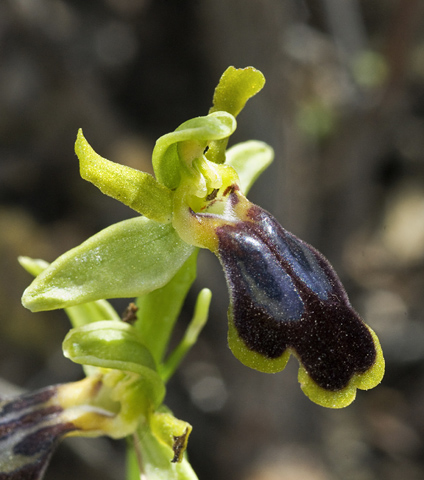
[164, 305]
[116, 345]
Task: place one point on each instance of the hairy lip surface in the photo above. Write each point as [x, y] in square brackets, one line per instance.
[284, 294]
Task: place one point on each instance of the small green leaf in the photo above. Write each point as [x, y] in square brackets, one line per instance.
[127, 259]
[159, 310]
[138, 190]
[200, 130]
[249, 160]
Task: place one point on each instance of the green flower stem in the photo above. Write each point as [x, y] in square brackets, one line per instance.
[159, 310]
[133, 459]
[195, 327]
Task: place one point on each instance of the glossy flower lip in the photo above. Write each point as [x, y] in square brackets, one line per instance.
[286, 298]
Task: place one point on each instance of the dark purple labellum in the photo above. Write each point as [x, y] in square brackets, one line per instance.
[30, 430]
[285, 294]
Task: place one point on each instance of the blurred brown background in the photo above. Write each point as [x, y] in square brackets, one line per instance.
[344, 109]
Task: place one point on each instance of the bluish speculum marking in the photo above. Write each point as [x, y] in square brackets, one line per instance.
[301, 257]
[262, 278]
[30, 429]
[285, 294]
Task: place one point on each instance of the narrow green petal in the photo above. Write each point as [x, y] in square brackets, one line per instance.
[249, 160]
[235, 87]
[159, 309]
[127, 259]
[138, 190]
[165, 158]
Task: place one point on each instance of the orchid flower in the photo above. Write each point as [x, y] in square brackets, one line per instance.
[285, 298]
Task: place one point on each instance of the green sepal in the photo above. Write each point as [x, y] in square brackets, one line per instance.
[127, 259]
[116, 345]
[171, 432]
[138, 190]
[79, 314]
[34, 266]
[198, 132]
[234, 89]
[156, 458]
[159, 309]
[249, 159]
[91, 312]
